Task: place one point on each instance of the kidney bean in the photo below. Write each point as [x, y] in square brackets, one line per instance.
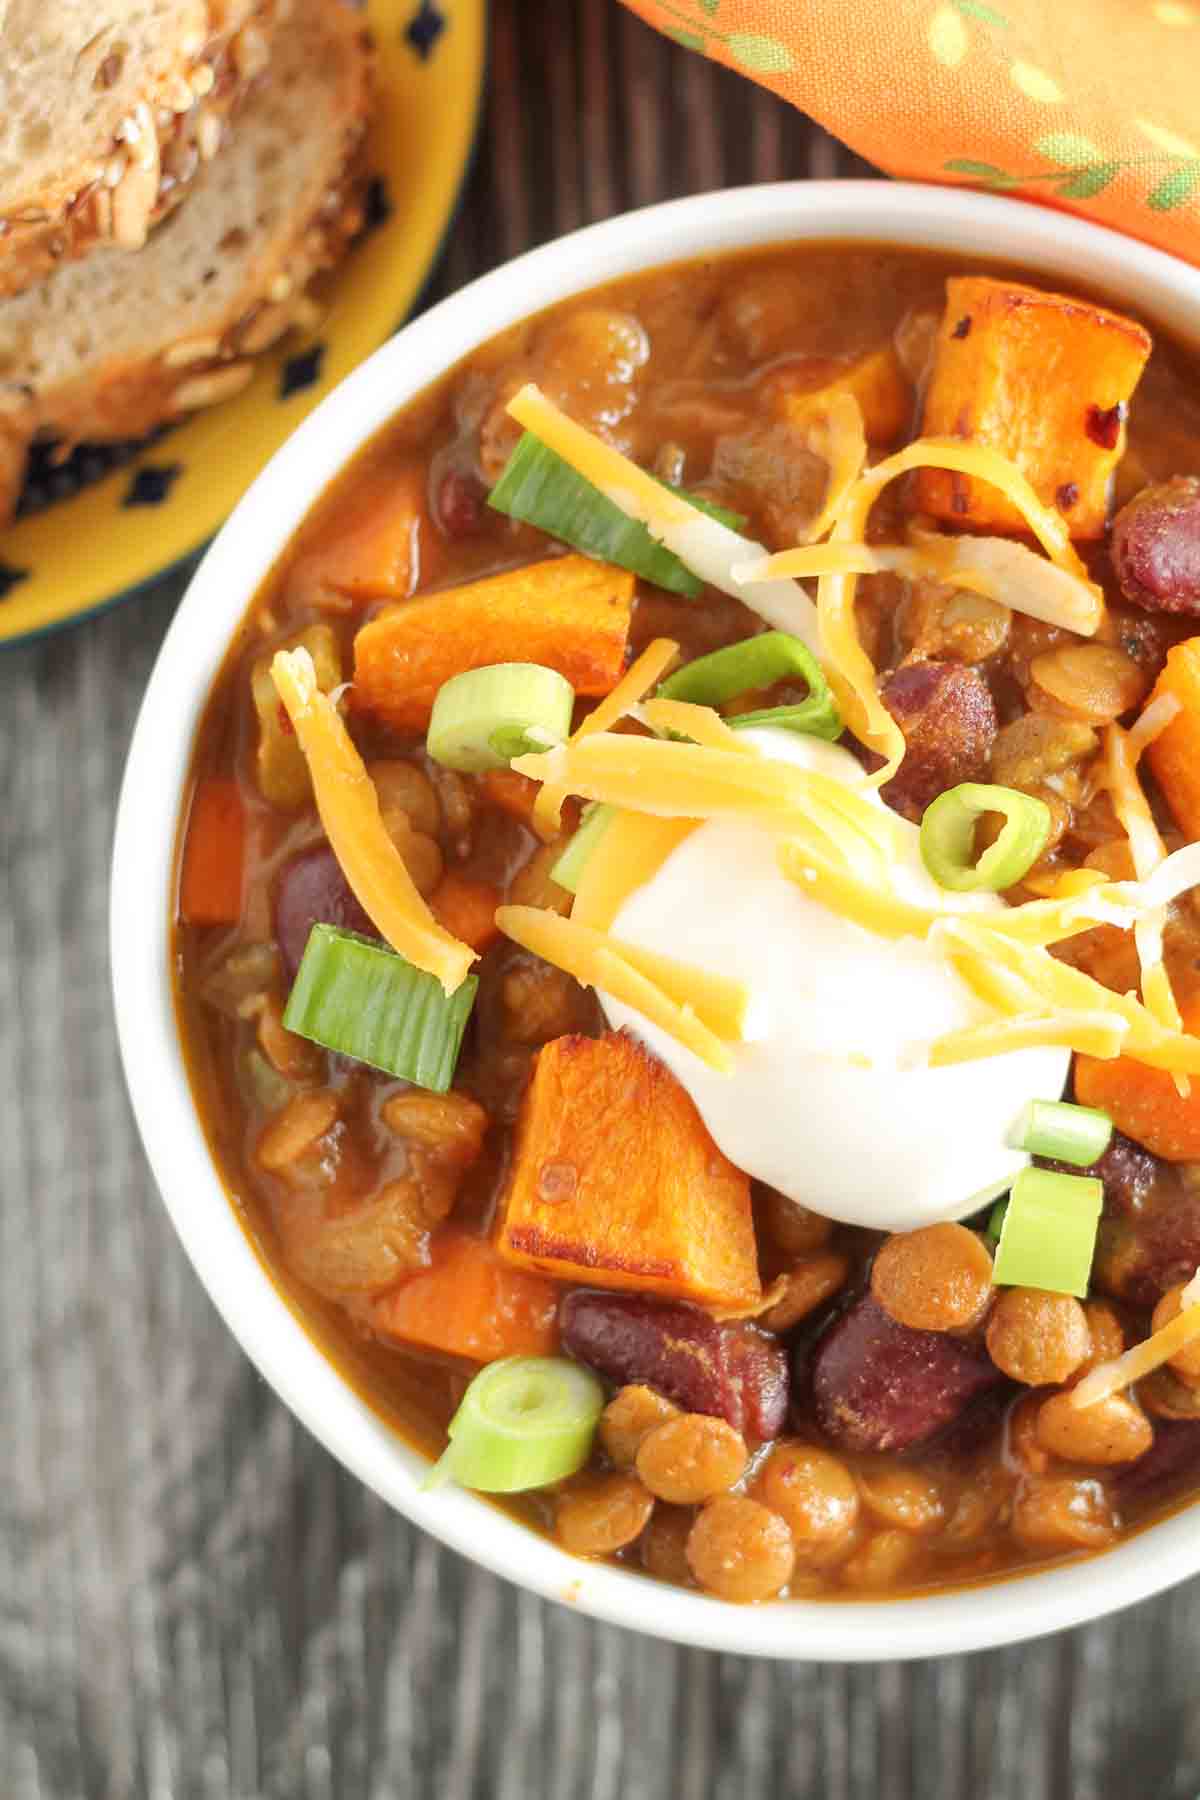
[1173, 1456]
[460, 503]
[880, 1385]
[948, 717]
[732, 1372]
[1155, 546]
[1139, 1257]
[1126, 1169]
[313, 891]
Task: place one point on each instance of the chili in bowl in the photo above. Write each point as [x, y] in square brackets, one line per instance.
[658, 869]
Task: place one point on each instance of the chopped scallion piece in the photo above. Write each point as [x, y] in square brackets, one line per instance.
[359, 998]
[1048, 1234]
[948, 837]
[1063, 1132]
[482, 718]
[995, 1224]
[595, 822]
[760, 662]
[538, 487]
[522, 1423]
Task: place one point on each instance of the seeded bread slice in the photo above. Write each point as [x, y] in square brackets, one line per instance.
[143, 167]
[112, 346]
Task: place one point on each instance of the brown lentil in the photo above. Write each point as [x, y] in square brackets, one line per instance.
[904, 1498]
[597, 1514]
[1111, 1431]
[663, 1544]
[691, 1458]
[935, 1279]
[450, 1126]
[1037, 1337]
[809, 1284]
[1062, 1513]
[815, 1495]
[628, 1418]
[740, 1551]
[881, 1561]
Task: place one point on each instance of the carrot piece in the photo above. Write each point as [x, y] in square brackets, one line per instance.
[512, 793]
[380, 551]
[1043, 378]
[210, 884]
[568, 613]
[1144, 1103]
[616, 1182]
[470, 1303]
[467, 909]
[1174, 755]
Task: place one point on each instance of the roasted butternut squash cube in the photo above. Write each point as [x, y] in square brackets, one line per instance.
[378, 543]
[1042, 378]
[877, 382]
[616, 1182]
[570, 613]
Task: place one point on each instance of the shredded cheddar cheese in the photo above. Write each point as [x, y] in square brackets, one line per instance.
[634, 685]
[702, 724]
[1142, 1360]
[349, 809]
[633, 849]
[834, 426]
[1095, 1034]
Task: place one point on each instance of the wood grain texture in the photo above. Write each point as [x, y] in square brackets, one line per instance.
[196, 1603]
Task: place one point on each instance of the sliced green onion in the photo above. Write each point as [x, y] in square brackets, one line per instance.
[522, 1423]
[1063, 1132]
[595, 822]
[995, 1224]
[1048, 1235]
[538, 487]
[483, 718]
[357, 997]
[948, 837]
[760, 662]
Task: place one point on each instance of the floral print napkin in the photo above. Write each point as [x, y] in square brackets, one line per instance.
[1088, 105]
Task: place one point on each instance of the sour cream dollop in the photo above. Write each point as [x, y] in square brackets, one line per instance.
[827, 1100]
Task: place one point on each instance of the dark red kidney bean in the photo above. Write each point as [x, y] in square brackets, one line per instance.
[948, 718]
[880, 1385]
[1126, 1169]
[1173, 1457]
[1140, 1255]
[460, 504]
[733, 1372]
[1155, 546]
[312, 890]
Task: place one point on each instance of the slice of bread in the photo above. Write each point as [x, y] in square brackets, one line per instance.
[151, 135]
[111, 346]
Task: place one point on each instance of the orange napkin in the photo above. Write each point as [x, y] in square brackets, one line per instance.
[1089, 105]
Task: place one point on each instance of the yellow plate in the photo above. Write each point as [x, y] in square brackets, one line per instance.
[110, 539]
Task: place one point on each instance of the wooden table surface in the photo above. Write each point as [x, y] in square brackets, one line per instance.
[196, 1603]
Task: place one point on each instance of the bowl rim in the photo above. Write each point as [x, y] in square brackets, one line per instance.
[906, 215]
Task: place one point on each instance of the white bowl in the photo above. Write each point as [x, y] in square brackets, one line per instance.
[1060, 248]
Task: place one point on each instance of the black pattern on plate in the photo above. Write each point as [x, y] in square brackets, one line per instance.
[152, 483]
[301, 370]
[425, 28]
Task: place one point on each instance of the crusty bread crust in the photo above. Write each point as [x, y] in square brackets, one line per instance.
[143, 172]
[198, 361]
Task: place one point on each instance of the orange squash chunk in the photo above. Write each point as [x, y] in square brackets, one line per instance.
[1042, 378]
[470, 1303]
[877, 382]
[210, 883]
[379, 549]
[616, 1182]
[1174, 755]
[569, 613]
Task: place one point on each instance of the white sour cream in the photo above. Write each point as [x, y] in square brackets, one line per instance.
[827, 1101]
